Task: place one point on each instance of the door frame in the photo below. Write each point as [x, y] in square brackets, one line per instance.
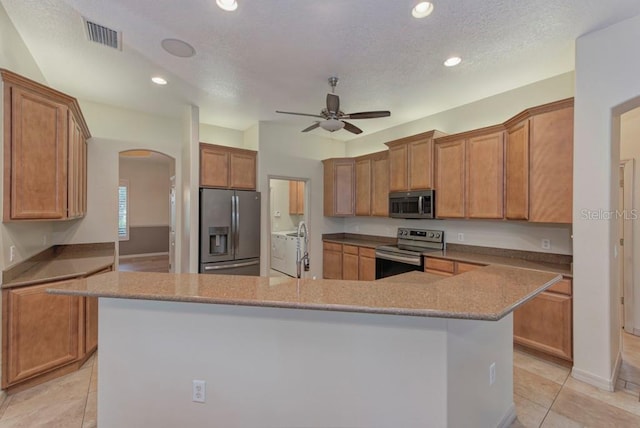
[627, 217]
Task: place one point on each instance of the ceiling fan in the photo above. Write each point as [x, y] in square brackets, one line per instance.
[332, 117]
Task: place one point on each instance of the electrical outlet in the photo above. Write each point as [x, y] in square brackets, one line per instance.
[492, 374]
[199, 392]
[546, 244]
[460, 237]
[12, 253]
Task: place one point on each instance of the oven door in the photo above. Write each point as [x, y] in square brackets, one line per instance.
[394, 263]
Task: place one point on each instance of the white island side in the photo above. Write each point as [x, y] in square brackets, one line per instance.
[300, 353]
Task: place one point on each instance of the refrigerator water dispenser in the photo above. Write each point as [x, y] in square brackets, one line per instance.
[218, 239]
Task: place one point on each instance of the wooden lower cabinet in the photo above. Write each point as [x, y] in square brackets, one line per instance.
[331, 260]
[44, 335]
[545, 324]
[40, 332]
[348, 262]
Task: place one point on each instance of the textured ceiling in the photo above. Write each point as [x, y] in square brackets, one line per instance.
[277, 54]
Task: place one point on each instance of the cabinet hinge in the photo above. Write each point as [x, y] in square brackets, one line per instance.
[622, 300]
[622, 242]
[622, 182]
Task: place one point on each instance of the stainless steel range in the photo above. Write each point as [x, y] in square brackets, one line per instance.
[407, 254]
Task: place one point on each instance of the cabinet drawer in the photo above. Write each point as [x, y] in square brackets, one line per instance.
[466, 267]
[439, 264]
[367, 252]
[564, 286]
[331, 246]
[350, 249]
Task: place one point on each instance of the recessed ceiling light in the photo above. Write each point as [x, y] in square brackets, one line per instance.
[159, 80]
[453, 61]
[178, 48]
[422, 9]
[229, 5]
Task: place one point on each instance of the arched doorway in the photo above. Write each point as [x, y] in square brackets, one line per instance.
[146, 211]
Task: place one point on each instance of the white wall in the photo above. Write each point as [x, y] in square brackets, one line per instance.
[222, 136]
[486, 112]
[14, 55]
[148, 190]
[606, 77]
[286, 152]
[630, 149]
[114, 130]
[281, 220]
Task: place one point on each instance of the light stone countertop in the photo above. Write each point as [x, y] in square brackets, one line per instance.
[60, 263]
[488, 293]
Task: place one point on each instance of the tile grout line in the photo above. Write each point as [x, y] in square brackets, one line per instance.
[86, 399]
[554, 399]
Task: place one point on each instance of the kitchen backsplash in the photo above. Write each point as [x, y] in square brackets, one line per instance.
[488, 233]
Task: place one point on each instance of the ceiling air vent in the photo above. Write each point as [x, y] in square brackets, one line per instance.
[103, 35]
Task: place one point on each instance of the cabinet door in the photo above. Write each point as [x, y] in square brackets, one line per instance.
[367, 264]
[300, 197]
[296, 197]
[398, 168]
[485, 176]
[36, 180]
[214, 167]
[242, 171]
[350, 266]
[331, 260]
[517, 172]
[421, 164]
[450, 179]
[380, 186]
[40, 332]
[551, 175]
[75, 167]
[339, 187]
[363, 187]
[545, 324]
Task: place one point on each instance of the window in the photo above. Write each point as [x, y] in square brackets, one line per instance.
[123, 210]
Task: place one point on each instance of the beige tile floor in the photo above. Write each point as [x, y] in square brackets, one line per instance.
[544, 393]
[66, 402]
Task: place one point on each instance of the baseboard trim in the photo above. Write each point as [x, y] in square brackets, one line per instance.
[143, 255]
[597, 381]
[509, 417]
[636, 332]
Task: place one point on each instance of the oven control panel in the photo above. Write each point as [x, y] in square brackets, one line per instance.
[423, 235]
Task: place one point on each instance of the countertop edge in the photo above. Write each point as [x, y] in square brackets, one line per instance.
[70, 276]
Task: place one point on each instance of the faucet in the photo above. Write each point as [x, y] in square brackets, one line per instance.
[302, 258]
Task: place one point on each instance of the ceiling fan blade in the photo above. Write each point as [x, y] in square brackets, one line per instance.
[352, 128]
[312, 127]
[300, 114]
[333, 103]
[367, 114]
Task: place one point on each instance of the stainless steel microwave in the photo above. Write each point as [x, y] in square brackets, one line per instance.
[418, 204]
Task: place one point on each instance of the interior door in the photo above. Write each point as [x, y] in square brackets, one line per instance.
[247, 239]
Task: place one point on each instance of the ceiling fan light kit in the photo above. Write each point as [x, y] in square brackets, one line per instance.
[333, 116]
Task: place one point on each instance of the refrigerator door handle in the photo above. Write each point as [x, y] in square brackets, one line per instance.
[235, 265]
[236, 231]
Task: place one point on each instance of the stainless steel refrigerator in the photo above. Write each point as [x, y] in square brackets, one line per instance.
[229, 232]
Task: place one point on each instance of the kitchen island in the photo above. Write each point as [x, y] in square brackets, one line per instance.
[407, 351]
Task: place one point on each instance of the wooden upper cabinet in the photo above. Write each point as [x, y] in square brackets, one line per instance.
[227, 167]
[363, 185]
[539, 164]
[44, 156]
[296, 197]
[517, 172]
[450, 161]
[485, 176]
[339, 187]
[242, 171]
[551, 163]
[372, 184]
[380, 184]
[411, 162]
